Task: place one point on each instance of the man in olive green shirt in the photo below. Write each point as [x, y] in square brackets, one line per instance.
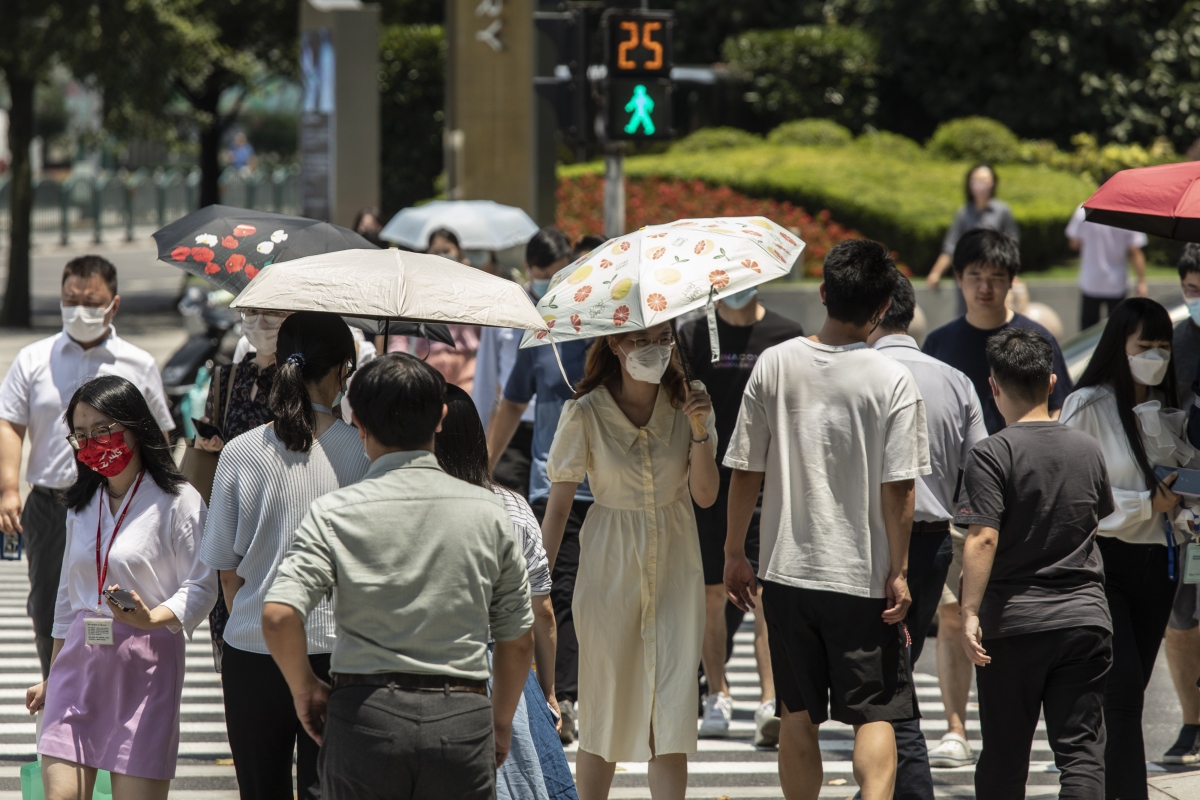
[423, 565]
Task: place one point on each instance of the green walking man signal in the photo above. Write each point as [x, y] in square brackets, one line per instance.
[641, 106]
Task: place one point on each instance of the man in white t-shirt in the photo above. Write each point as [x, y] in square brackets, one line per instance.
[33, 398]
[838, 431]
[1103, 254]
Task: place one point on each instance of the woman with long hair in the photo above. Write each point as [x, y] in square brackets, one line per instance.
[265, 481]
[132, 582]
[647, 444]
[536, 768]
[1127, 400]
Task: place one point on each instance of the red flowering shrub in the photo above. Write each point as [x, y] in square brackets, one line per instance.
[653, 201]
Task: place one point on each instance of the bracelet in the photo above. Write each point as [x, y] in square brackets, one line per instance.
[700, 441]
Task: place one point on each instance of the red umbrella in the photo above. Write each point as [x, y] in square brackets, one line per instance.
[1162, 200]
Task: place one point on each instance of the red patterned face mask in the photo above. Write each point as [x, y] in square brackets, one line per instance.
[109, 459]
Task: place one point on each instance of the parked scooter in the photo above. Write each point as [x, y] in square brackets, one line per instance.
[213, 332]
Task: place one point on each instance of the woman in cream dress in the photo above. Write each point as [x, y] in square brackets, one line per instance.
[647, 444]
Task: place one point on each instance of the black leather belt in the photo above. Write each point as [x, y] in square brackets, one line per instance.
[410, 682]
[930, 527]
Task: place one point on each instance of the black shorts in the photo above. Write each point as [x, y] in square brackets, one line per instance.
[829, 648]
[712, 522]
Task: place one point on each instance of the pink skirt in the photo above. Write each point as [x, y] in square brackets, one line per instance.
[116, 707]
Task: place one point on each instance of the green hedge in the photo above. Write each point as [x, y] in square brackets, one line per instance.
[903, 201]
[412, 69]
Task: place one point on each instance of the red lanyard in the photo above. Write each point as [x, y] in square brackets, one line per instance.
[101, 574]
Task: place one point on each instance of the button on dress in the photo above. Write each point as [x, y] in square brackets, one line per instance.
[639, 594]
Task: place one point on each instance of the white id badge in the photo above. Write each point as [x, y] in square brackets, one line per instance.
[1191, 563]
[98, 630]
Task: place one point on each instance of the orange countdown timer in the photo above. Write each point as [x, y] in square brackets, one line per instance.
[638, 43]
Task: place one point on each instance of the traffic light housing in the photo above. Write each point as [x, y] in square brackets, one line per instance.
[638, 55]
[561, 79]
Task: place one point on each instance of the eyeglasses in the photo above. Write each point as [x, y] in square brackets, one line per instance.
[667, 340]
[101, 435]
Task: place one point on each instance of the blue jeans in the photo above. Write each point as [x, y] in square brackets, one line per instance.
[536, 767]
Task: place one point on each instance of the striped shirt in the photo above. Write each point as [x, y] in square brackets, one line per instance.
[529, 534]
[261, 493]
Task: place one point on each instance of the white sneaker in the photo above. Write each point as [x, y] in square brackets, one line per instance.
[718, 713]
[766, 725]
[953, 751]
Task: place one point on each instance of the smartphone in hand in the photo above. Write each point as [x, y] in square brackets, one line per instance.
[122, 598]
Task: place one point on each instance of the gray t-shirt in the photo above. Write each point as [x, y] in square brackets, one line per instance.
[1045, 487]
[995, 216]
[1185, 350]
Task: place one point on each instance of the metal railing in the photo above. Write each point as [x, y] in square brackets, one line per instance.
[113, 204]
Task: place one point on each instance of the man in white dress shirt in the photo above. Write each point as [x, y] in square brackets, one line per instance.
[33, 397]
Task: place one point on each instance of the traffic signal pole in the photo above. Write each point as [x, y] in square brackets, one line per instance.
[614, 190]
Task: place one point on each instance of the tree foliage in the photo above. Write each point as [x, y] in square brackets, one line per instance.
[412, 74]
[826, 71]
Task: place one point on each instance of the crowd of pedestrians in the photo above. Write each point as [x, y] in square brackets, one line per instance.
[424, 577]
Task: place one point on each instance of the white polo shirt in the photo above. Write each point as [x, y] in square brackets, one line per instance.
[41, 381]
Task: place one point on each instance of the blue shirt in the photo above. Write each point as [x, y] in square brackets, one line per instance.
[536, 374]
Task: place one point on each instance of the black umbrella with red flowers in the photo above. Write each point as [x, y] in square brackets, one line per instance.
[228, 246]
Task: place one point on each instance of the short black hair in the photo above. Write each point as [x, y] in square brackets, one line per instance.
[587, 244]
[444, 233]
[398, 399]
[904, 305]
[983, 246]
[1021, 361]
[1189, 260]
[87, 266]
[547, 246]
[860, 276]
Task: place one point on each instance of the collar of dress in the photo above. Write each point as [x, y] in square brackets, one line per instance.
[661, 425]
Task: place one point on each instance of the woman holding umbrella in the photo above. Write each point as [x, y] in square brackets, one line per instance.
[639, 598]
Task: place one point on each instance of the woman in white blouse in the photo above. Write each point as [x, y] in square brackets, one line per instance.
[132, 582]
[1127, 400]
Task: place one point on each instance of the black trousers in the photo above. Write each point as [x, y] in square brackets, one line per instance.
[1062, 674]
[512, 471]
[44, 522]
[1140, 596]
[264, 729]
[394, 744]
[562, 593]
[929, 557]
[1089, 313]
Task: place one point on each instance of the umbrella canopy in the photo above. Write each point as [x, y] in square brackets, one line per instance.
[478, 224]
[228, 246]
[1163, 200]
[658, 273]
[392, 284]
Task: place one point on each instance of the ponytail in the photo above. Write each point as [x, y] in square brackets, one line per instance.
[310, 344]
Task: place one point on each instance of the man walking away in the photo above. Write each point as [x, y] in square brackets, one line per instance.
[954, 421]
[832, 421]
[1035, 619]
[1103, 251]
[34, 396]
[985, 264]
[744, 330]
[423, 565]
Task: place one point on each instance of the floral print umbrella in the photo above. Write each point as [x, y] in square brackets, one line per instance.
[660, 272]
[229, 246]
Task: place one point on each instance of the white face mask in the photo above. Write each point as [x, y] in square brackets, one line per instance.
[1149, 368]
[648, 362]
[1193, 307]
[262, 331]
[85, 323]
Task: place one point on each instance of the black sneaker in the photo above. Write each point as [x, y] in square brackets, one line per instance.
[567, 709]
[1186, 749]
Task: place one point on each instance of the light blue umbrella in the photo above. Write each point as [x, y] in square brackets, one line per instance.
[478, 224]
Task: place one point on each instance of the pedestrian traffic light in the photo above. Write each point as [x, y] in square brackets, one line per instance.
[638, 109]
[561, 77]
[638, 55]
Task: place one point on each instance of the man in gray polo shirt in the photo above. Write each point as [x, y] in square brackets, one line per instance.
[954, 421]
[423, 565]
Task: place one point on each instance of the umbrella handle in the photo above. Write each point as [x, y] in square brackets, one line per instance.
[558, 358]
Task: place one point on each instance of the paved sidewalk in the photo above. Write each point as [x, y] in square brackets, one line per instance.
[1182, 786]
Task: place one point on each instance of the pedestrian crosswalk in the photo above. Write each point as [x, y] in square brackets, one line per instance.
[722, 768]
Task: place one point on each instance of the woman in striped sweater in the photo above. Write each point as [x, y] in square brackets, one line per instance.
[266, 480]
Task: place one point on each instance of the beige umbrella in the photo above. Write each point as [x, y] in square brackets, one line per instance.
[392, 284]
